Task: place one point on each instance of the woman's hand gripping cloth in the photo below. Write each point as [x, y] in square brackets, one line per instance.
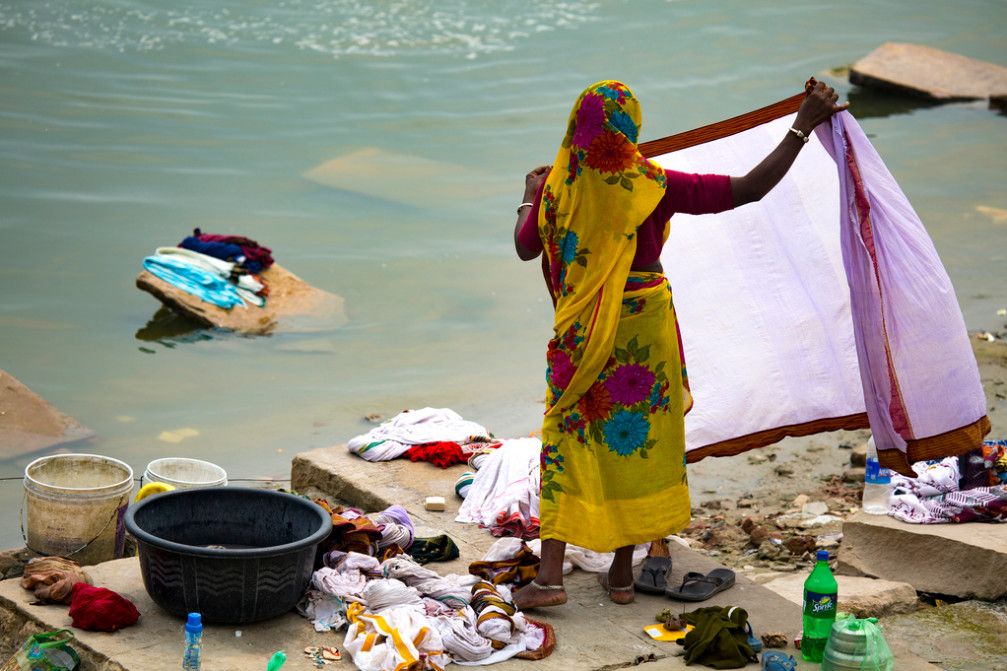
[504, 496]
[786, 267]
[393, 438]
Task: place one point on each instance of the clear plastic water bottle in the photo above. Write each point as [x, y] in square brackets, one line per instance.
[192, 659]
[877, 483]
[821, 592]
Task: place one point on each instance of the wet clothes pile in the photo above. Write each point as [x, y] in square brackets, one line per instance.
[222, 283]
[386, 533]
[399, 614]
[239, 250]
[438, 435]
[939, 494]
[504, 494]
[51, 579]
[57, 580]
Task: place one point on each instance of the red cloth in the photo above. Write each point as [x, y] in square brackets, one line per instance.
[687, 193]
[100, 609]
[444, 454]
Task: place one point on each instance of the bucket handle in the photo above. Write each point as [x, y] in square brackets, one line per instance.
[24, 536]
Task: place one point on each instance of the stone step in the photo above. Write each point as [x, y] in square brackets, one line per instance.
[859, 596]
[968, 561]
[930, 73]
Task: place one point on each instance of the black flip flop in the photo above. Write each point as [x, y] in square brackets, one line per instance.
[699, 587]
[653, 577]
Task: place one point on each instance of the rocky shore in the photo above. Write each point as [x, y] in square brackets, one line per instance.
[765, 513]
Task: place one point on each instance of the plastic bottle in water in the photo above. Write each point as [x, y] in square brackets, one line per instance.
[877, 483]
[192, 658]
[821, 592]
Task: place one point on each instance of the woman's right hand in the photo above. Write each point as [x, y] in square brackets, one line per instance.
[819, 105]
[533, 181]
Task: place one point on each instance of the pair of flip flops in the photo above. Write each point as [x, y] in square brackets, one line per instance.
[653, 579]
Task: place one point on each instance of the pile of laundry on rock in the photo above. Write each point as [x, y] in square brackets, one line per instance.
[220, 269]
[969, 488]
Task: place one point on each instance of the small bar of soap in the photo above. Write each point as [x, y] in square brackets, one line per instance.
[436, 503]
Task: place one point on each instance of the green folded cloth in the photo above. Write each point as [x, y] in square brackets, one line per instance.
[434, 548]
[719, 639]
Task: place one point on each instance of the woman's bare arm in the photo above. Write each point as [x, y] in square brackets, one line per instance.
[816, 108]
[532, 181]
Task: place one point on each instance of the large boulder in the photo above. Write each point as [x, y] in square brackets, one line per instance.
[929, 73]
[29, 424]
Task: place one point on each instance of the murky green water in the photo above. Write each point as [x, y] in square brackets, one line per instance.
[123, 124]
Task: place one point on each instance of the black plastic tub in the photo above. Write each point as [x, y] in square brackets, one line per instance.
[234, 554]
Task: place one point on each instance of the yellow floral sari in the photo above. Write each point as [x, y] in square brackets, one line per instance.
[613, 437]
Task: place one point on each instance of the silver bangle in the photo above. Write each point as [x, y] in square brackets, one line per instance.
[800, 134]
[524, 205]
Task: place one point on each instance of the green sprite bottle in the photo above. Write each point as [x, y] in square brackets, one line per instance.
[820, 594]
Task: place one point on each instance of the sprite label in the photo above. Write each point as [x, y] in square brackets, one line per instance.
[820, 605]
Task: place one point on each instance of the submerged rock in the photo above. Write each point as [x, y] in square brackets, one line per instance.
[292, 305]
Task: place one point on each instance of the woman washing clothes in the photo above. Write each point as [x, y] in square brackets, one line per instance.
[613, 436]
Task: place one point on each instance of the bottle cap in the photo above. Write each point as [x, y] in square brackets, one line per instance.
[195, 623]
[823, 555]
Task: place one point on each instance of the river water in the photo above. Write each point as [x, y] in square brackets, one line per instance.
[124, 124]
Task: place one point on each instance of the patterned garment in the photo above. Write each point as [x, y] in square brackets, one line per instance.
[935, 496]
[612, 462]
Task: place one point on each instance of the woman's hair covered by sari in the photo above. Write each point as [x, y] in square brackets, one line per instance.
[597, 194]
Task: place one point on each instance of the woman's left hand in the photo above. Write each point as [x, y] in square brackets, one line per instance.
[817, 107]
[533, 181]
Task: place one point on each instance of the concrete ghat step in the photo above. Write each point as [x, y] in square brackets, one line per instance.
[962, 560]
[592, 633]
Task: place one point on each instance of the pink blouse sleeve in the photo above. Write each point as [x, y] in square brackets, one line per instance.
[527, 236]
[695, 194]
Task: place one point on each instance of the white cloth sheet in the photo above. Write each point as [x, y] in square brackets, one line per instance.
[391, 439]
[505, 488]
[761, 296]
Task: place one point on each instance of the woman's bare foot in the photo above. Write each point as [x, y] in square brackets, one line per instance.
[534, 595]
[617, 594]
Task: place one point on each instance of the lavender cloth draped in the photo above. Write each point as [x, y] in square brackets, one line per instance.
[921, 383]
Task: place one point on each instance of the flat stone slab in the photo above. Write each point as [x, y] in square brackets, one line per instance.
[29, 424]
[968, 561]
[966, 636]
[862, 597]
[931, 73]
[292, 305]
[156, 641]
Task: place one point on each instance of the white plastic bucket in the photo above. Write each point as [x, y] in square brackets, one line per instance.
[75, 504]
[184, 473]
